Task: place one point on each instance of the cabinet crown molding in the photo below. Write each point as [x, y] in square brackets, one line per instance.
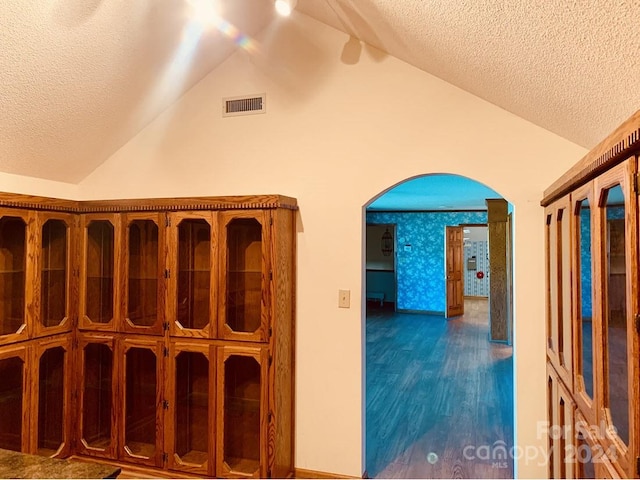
[245, 202]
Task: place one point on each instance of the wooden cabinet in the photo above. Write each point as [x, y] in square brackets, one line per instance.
[594, 359]
[54, 283]
[141, 426]
[97, 390]
[143, 284]
[14, 398]
[51, 392]
[15, 229]
[98, 295]
[191, 406]
[191, 273]
[242, 412]
[157, 333]
[244, 279]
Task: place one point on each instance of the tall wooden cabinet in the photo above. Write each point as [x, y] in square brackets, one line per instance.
[152, 332]
[593, 312]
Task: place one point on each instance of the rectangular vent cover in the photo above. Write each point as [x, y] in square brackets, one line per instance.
[247, 105]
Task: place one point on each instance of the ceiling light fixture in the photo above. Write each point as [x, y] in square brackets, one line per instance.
[285, 7]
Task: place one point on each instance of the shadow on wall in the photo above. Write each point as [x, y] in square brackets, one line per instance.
[292, 61]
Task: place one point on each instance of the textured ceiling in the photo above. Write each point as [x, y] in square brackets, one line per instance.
[570, 66]
[79, 78]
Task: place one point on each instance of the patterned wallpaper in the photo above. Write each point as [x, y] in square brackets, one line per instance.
[420, 254]
[474, 286]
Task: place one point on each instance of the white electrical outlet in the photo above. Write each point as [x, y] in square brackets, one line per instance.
[344, 298]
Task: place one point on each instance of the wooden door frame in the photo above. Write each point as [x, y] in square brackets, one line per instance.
[394, 227]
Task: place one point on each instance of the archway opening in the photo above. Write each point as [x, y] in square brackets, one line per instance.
[438, 381]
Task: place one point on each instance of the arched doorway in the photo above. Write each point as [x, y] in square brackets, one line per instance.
[439, 391]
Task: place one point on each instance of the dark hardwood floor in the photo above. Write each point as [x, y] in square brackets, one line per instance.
[439, 396]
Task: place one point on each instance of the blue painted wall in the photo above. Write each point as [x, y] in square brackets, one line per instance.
[420, 254]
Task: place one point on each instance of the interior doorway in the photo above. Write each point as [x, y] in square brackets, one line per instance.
[380, 266]
[438, 392]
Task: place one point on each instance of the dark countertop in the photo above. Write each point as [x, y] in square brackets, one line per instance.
[22, 465]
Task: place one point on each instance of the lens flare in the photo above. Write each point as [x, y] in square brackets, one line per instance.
[205, 14]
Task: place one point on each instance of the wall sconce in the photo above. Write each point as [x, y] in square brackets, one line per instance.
[285, 7]
[386, 243]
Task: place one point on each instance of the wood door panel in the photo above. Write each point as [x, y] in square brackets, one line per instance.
[454, 268]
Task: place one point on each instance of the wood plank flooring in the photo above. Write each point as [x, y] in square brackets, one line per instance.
[439, 396]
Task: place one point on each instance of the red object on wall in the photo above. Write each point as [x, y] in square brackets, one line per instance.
[480, 275]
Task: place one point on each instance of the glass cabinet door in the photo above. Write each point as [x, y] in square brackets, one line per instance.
[54, 268]
[13, 275]
[142, 432]
[96, 395]
[97, 294]
[618, 275]
[585, 309]
[240, 413]
[144, 273]
[190, 409]
[13, 399]
[558, 271]
[244, 281]
[191, 272]
[51, 426]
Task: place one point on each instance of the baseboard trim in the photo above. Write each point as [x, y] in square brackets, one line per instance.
[304, 473]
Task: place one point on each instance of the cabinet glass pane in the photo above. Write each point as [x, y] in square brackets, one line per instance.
[13, 233]
[142, 303]
[99, 294]
[550, 299]
[96, 408]
[53, 275]
[12, 375]
[616, 369]
[585, 309]
[51, 401]
[244, 274]
[560, 284]
[242, 413]
[141, 387]
[192, 408]
[565, 343]
[194, 273]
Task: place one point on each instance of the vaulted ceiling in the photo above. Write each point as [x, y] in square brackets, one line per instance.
[79, 78]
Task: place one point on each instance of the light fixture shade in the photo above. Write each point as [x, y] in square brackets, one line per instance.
[285, 7]
[386, 243]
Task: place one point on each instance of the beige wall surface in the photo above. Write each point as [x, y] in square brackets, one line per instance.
[36, 186]
[342, 127]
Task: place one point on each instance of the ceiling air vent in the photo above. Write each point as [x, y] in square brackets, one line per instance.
[247, 105]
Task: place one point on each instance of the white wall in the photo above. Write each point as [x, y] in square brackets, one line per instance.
[335, 136]
[36, 186]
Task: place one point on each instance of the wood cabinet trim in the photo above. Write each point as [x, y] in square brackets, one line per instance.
[623, 142]
[34, 202]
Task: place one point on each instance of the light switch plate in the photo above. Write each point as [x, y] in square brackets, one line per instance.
[344, 298]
